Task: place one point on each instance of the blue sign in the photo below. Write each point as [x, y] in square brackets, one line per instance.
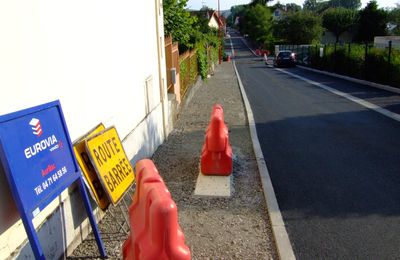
[39, 162]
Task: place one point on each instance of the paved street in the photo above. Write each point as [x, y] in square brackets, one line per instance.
[334, 164]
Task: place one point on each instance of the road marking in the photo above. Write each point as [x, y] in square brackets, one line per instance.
[284, 247]
[357, 100]
[245, 43]
[359, 81]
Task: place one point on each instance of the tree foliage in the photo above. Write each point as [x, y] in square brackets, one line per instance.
[372, 22]
[310, 5]
[348, 4]
[236, 11]
[394, 19]
[298, 28]
[179, 23]
[278, 5]
[293, 7]
[318, 6]
[256, 21]
[259, 2]
[315, 6]
[338, 20]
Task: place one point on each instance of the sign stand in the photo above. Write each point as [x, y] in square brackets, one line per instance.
[116, 220]
[121, 208]
[39, 163]
[92, 220]
[108, 158]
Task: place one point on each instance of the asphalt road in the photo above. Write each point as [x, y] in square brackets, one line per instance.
[334, 164]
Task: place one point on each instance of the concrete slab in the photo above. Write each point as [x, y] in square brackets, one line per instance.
[213, 186]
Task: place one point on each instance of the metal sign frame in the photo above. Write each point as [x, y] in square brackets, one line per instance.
[21, 165]
[91, 179]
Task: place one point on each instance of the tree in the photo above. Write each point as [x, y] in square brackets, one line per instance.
[179, 23]
[278, 5]
[236, 11]
[259, 2]
[394, 20]
[292, 7]
[338, 20]
[349, 4]
[372, 22]
[298, 28]
[310, 5]
[315, 6]
[257, 23]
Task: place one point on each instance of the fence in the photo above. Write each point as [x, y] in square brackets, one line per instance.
[363, 61]
[188, 70]
[187, 65]
[302, 52]
[171, 60]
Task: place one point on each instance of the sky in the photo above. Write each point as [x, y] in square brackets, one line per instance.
[226, 4]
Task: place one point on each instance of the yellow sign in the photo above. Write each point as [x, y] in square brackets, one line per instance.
[112, 166]
[96, 190]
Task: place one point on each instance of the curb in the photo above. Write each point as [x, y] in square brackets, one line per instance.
[282, 241]
[284, 247]
[360, 81]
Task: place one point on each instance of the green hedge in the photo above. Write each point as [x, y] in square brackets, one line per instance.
[351, 60]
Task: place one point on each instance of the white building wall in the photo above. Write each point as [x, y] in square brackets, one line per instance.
[95, 56]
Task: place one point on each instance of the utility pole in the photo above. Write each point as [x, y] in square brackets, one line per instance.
[220, 35]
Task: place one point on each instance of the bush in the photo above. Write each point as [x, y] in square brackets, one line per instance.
[351, 61]
[202, 60]
[210, 43]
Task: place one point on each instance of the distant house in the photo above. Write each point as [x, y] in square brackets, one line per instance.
[214, 20]
[390, 27]
[277, 14]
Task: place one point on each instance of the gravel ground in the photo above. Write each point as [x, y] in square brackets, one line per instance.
[214, 228]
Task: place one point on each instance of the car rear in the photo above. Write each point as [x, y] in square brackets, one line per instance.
[285, 58]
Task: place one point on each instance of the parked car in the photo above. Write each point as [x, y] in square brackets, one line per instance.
[285, 58]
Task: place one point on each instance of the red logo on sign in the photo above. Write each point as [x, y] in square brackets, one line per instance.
[36, 127]
[49, 168]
